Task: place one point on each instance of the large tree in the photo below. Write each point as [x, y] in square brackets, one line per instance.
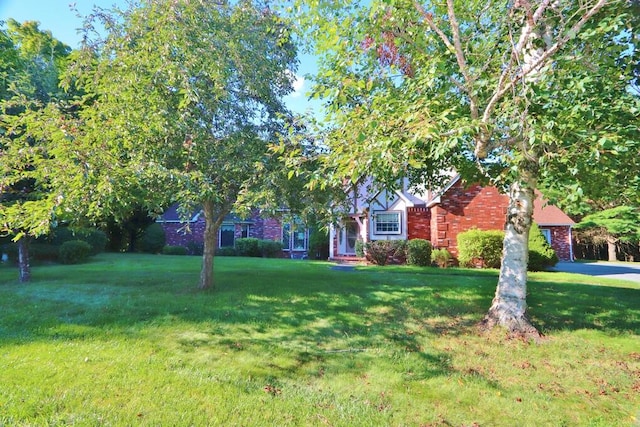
[516, 92]
[31, 174]
[188, 97]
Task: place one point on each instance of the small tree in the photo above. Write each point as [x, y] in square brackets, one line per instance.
[34, 176]
[190, 99]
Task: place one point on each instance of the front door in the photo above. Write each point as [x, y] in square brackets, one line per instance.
[348, 237]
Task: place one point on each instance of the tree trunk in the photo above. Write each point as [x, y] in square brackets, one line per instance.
[212, 225]
[509, 304]
[611, 250]
[23, 260]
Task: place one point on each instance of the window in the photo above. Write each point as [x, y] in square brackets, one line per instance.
[245, 231]
[227, 235]
[386, 222]
[547, 234]
[286, 236]
[294, 236]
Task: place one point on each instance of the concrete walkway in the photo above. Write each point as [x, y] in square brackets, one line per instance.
[614, 270]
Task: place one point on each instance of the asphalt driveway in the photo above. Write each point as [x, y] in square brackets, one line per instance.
[614, 270]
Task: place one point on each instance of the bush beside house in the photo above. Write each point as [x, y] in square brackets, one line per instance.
[480, 248]
[483, 248]
[419, 252]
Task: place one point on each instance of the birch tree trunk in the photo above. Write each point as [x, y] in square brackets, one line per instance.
[23, 260]
[509, 305]
[212, 225]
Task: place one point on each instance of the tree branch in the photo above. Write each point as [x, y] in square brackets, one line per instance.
[462, 63]
[505, 86]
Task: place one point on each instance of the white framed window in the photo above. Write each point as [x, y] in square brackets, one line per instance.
[227, 235]
[387, 222]
[295, 236]
[547, 234]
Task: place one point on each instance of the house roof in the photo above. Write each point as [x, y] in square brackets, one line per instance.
[172, 215]
[546, 214]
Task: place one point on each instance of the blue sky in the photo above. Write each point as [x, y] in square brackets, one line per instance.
[58, 17]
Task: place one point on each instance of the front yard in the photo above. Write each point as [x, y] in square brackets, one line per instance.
[128, 340]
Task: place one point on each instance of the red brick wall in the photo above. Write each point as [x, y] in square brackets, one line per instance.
[272, 230]
[260, 228]
[177, 236]
[418, 223]
[463, 208]
[561, 241]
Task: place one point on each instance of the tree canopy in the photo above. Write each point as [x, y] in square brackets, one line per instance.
[521, 94]
[186, 97]
[32, 172]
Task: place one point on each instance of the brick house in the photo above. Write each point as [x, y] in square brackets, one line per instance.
[293, 235]
[439, 217]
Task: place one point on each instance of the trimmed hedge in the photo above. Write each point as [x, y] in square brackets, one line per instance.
[484, 249]
[270, 248]
[226, 251]
[74, 252]
[174, 250]
[478, 248]
[419, 252]
[248, 246]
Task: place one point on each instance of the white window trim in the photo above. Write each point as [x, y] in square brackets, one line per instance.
[547, 234]
[375, 223]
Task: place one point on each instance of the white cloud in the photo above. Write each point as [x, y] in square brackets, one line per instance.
[297, 82]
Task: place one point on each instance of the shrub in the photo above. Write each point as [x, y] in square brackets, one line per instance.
[174, 250]
[359, 247]
[196, 248]
[270, 248]
[74, 252]
[419, 252]
[37, 252]
[381, 252]
[319, 244]
[226, 251]
[248, 246]
[60, 235]
[398, 251]
[153, 239]
[541, 255]
[94, 237]
[441, 257]
[44, 252]
[377, 251]
[478, 248]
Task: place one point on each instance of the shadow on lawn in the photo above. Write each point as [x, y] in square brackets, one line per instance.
[329, 311]
[570, 306]
[301, 322]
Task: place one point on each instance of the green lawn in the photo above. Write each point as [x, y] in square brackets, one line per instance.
[128, 340]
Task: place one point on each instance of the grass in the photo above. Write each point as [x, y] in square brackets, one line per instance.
[127, 340]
